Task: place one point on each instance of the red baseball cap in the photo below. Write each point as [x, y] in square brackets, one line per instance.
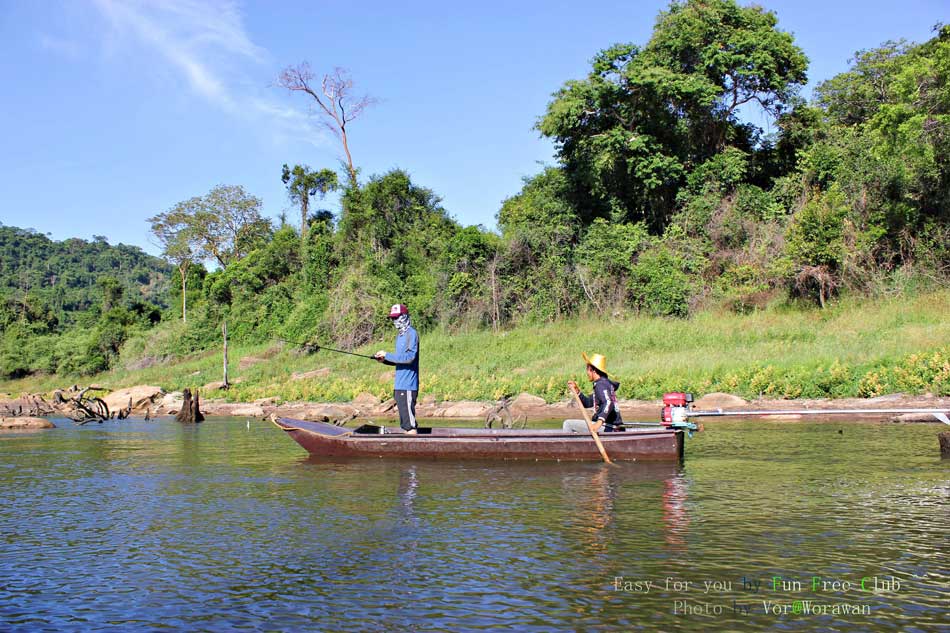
[397, 311]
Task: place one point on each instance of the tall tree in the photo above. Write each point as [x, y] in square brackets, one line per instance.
[628, 134]
[338, 105]
[303, 183]
[224, 225]
[888, 151]
[539, 226]
[853, 97]
[173, 231]
[737, 52]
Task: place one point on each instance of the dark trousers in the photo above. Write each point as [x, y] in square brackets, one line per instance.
[406, 402]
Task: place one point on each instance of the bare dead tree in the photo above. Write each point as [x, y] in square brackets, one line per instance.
[338, 106]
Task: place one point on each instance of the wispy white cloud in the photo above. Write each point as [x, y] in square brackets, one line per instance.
[206, 43]
[195, 38]
[290, 124]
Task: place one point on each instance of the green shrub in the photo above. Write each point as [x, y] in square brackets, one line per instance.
[659, 284]
[815, 235]
[665, 277]
[743, 287]
[756, 204]
[605, 260]
[721, 173]
[915, 373]
[80, 354]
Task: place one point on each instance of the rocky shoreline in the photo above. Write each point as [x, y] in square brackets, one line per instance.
[151, 401]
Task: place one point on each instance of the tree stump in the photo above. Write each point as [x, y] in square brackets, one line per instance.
[190, 411]
[126, 412]
[944, 444]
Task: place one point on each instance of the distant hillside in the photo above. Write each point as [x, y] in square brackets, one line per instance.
[49, 284]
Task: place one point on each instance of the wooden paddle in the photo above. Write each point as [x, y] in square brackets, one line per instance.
[590, 427]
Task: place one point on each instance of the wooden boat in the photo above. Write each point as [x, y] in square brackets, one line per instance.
[326, 440]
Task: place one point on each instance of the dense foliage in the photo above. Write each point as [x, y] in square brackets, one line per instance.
[630, 134]
[664, 201]
[68, 306]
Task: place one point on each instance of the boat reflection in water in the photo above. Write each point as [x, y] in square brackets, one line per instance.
[675, 517]
[614, 503]
[544, 506]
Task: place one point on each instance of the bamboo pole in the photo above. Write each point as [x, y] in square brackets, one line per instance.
[590, 427]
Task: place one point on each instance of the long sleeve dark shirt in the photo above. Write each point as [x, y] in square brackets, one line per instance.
[604, 399]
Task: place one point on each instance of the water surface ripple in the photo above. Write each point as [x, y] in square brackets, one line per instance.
[158, 526]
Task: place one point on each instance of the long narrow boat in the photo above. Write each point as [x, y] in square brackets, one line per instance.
[326, 440]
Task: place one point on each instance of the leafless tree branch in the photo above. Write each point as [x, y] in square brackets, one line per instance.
[335, 100]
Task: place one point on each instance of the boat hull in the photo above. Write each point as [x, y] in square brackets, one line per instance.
[325, 440]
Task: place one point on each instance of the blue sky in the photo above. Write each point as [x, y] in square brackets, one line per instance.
[112, 111]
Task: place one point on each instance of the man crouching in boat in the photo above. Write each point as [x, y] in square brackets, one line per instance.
[607, 416]
[406, 360]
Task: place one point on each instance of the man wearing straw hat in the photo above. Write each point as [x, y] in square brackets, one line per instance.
[606, 418]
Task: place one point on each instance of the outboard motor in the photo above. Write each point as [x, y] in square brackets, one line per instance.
[675, 406]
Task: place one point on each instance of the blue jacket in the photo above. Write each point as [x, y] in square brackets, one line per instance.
[406, 360]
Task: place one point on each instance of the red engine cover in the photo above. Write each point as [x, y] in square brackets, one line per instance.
[675, 399]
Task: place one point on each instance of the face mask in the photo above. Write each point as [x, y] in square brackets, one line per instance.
[401, 323]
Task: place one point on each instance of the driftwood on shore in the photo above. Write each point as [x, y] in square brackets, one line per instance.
[83, 405]
[31, 405]
[83, 409]
[74, 403]
[190, 410]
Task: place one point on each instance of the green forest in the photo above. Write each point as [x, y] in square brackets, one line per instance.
[664, 201]
[67, 307]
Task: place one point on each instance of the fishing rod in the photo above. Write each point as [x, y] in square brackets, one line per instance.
[340, 351]
[316, 348]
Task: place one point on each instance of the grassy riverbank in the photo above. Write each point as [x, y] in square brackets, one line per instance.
[853, 349]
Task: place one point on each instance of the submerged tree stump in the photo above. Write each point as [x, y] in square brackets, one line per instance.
[190, 411]
[944, 444]
[126, 412]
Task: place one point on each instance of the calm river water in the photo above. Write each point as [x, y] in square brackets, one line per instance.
[151, 525]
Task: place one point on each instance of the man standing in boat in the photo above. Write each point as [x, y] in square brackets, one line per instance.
[607, 417]
[406, 360]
